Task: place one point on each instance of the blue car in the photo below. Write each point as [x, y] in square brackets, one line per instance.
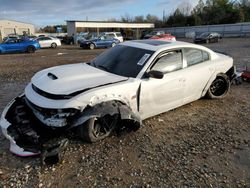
[101, 42]
[19, 45]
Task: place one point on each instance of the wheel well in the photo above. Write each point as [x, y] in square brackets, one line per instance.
[31, 46]
[212, 78]
[231, 73]
[110, 108]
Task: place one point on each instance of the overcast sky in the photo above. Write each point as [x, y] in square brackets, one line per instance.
[53, 12]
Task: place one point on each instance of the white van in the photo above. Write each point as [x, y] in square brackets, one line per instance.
[116, 35]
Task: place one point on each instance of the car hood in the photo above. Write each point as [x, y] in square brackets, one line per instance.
[68, 79]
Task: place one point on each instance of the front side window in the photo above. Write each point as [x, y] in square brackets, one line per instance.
[169, 62]
[195, 56]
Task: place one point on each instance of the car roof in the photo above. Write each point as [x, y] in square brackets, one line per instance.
[155, 45]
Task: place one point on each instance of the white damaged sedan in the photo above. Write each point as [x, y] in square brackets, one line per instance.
[117, 90]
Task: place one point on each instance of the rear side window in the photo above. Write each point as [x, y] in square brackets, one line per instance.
[195, 56]
[118, 34]
[110, 35]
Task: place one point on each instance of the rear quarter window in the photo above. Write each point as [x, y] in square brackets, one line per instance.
[195, 56]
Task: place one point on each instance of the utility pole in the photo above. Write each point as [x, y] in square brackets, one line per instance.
[163, 16]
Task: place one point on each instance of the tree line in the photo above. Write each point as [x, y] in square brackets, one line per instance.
[204, 13]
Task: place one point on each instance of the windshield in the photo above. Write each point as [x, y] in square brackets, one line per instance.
[204, 35]
[122, 60]
[9, 40]
[153, 33]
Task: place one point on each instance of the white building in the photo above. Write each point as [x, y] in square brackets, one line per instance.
[73, 26]
[14, 27]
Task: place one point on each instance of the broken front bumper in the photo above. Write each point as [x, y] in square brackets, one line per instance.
[5, 124]
[27, 135]
[30, 131]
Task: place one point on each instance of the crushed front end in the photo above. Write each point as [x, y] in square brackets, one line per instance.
[29, 130]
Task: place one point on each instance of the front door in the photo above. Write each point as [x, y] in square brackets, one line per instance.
[160, 95]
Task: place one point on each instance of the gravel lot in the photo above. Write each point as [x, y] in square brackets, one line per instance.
[202, 144]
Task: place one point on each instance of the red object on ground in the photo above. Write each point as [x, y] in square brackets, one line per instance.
[246, 75]
[164, 37]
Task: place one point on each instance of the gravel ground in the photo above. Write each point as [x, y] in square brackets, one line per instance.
[203, 144]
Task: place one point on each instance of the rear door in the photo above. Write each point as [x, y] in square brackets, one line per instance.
[197, 73]
[47, 42]
[18, 46]
[44, 42]
[161, 95]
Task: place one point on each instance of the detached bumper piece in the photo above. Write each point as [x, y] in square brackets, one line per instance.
[28, 136]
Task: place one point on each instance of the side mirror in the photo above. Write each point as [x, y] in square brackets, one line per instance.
[155, 74]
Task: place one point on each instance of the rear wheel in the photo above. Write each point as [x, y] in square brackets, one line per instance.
[53, 45]
[91, 46]
[96, 129]
[219, 87]
[113, 44]
[31, 49]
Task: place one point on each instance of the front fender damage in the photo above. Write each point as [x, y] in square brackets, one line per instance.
[31, 136]
[129, 119]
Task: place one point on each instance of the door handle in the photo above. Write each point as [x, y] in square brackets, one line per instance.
[182, 80]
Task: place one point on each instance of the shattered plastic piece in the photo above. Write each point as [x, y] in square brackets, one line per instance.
[53, 151]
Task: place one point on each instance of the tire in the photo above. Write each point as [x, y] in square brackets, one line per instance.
[31, 49]
[53, 45]
[219, 87]
[96, 129]
[113, 44]
[91, 46]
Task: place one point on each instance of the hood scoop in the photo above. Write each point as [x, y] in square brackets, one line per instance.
[52, 76]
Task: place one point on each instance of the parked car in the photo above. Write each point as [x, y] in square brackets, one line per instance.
[133, 81]
[145, 32]
[167, 37]
[11, 37]
[207, 37]
[116, 35]
[101, 42]
[19, 45]
[66, 39]
[154, 33]
[49, 42]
